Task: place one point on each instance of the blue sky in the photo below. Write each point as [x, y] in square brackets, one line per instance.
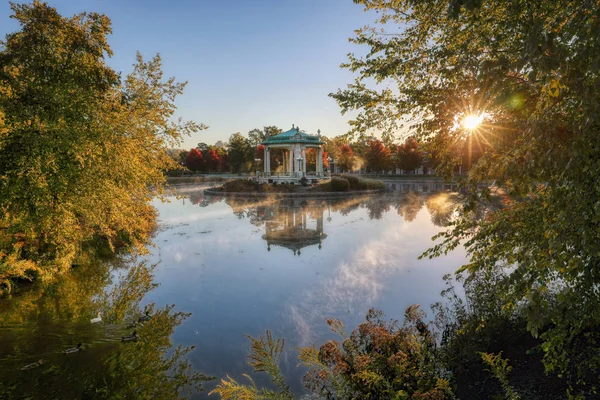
[248, 63]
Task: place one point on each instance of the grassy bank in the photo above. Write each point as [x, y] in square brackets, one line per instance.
[343, 183]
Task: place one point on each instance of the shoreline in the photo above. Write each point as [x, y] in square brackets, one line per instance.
[215, 192]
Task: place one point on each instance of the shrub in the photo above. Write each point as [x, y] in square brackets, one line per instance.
[475, 329]
[241, 185]
[500, 370]
[371, 184]
[303, 181]
[378, 360]
[264, 357]
[357, 183]
[340, 185]
[353, 180]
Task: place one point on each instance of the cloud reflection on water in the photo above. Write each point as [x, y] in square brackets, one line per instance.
[360, 275]
[356, 284]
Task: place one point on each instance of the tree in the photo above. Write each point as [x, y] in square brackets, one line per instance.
[346, 158]
[182, 157]
[202, 147]
[272, 130]
[256, 137]
[81, 150]
[212, 160]
[223, 164]
[408, 156]
[240, 153]
[360, 147]
[528, 72]
[378, 156]
[174, 154]
[331, 146]
[325, 157]
[311, 159]
[194, 160]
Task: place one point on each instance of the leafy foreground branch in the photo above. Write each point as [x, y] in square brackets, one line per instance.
[264, 358]
[379, 359]
[528, 71]
[500, 369]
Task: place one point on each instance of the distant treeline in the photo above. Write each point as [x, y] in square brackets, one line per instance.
[246, 154]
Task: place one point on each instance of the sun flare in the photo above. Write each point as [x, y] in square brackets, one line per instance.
[472, 121]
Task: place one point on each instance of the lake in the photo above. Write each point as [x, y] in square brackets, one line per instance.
[239, 267]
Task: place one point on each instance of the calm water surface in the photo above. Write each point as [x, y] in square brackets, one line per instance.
[241, 267]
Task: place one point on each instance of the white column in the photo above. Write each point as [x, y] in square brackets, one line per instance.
[319, 162]
[265, 160]
[283, 166]
[293, 160]
[304, 161]
[290, 161]
[269, 161]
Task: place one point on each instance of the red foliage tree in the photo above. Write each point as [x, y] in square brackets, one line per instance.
[194, 160]
[212, 160]
[378, 156]
[408, 155]
[325, 160]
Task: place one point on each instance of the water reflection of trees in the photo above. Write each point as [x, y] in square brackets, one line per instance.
[197, 197]
[411, 204]
[41, 322]
[441, 201]
[441, 206]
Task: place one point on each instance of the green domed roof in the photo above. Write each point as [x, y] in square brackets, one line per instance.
[294, 135]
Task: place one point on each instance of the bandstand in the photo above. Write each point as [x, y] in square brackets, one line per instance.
[294, 144]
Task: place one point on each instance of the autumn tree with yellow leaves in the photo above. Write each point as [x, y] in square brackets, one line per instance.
[82, 149]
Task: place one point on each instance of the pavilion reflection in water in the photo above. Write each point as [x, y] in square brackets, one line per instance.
[294, 227]
[298, 223]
